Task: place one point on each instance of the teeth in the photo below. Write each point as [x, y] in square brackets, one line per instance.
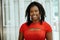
[34, 15]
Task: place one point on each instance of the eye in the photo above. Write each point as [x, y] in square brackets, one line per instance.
[31, 11]
[36, 10]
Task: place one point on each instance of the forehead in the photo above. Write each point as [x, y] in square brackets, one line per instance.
[34, 8]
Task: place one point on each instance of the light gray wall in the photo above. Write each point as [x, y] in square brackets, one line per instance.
[0, 22]
[59, 20]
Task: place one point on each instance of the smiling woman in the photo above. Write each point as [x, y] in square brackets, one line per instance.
[35, 14]
[33, 26]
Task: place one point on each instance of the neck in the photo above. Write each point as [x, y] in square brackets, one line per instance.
[35, 21]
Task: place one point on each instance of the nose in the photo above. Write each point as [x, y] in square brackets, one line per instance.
[34, 13]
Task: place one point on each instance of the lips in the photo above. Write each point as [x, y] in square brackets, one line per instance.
[34, 16]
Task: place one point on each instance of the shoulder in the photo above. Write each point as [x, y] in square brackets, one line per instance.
[23, 27]
[24, 24]
[46, 23]
[47, 27]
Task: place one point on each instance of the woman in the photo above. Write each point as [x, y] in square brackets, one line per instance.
[36, 28]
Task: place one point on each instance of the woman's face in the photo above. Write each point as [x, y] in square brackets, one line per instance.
[34, 13]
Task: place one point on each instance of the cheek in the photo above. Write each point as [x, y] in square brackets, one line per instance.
[38, 15]
[31, 14]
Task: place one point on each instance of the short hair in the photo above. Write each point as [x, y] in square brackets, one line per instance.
[41, 12]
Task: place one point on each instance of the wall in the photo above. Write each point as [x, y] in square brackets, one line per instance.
[14, 16]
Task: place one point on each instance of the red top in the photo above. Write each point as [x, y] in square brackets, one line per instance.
[35, 31]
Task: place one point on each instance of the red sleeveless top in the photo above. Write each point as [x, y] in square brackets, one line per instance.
[35, 31]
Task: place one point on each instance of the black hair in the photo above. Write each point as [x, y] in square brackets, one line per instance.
[41, 11]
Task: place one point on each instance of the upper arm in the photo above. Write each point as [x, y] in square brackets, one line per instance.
[48, 32]
[21, 32]
[21, 37]
[49, 35]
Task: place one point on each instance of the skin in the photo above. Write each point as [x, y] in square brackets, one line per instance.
[34, 14]
[20, 36]
[49, 36]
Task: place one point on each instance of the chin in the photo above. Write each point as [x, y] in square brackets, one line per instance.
[34, 19]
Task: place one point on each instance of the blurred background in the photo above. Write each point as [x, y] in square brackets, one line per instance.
[12, 15]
